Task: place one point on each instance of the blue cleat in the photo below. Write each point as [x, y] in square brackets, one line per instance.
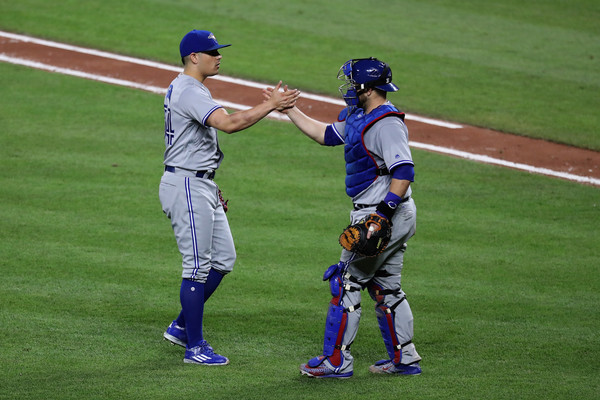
[176, 334]
[320, 367]
[388, 367]
[205, 355]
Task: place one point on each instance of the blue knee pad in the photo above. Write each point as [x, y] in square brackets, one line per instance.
[334, 275]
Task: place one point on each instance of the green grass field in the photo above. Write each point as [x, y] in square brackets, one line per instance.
[502, 275]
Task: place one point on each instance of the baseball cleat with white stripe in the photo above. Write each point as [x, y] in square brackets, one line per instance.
[205, 355]
[176, 334]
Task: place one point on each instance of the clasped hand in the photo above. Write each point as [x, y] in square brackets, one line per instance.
[282, 98]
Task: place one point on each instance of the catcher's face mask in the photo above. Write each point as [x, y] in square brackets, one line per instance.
[348, 88]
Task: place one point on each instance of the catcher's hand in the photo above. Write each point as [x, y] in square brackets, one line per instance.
[369, 237]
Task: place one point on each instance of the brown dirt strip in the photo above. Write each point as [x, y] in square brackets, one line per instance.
[512, 148]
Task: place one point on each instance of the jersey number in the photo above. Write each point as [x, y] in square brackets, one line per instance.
[169, 132]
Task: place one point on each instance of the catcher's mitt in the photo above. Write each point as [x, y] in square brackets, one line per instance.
[354, 237]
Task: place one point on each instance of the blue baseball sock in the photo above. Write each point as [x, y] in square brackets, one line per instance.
[192, 306]
[212, 282]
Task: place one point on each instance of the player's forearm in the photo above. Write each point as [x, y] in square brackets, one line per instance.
[310, 127]
[241, 120]
[399, 187]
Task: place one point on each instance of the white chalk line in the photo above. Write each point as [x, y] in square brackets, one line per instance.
[158, 90]
[495, 161]
[168, 67]
[115, 81]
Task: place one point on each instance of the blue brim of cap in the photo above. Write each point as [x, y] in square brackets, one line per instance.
[220, 46]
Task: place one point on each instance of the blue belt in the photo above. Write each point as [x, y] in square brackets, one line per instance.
[199, 174]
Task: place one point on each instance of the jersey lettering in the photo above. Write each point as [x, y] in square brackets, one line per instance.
[169, 132]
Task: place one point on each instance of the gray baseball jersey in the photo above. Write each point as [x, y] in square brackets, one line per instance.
[188, 195]
[189, 142]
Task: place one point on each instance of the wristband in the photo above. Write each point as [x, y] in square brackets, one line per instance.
[388, 206]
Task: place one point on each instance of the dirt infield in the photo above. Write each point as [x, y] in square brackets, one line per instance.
[486, 142]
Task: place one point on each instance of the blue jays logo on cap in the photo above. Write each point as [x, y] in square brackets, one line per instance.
[197, 41]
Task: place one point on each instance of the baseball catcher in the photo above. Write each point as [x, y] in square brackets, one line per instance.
[379, 171]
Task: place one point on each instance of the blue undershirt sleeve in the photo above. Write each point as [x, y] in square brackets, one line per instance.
[332, 138]
[404, 172]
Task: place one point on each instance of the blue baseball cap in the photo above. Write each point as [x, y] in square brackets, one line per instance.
[197, 41]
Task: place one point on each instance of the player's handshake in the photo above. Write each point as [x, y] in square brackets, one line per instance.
[283, 97]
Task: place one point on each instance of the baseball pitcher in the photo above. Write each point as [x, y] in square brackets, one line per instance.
[188, 193]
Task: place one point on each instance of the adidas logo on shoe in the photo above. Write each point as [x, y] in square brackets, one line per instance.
[204, 354]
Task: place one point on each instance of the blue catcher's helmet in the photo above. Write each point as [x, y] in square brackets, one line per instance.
[364, 73]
